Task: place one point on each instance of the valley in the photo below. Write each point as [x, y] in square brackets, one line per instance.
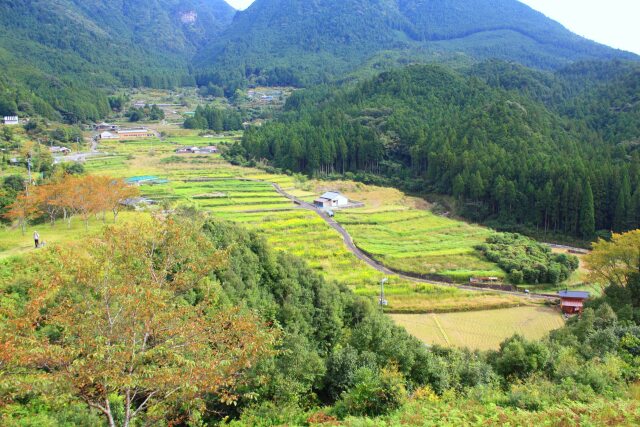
[316, 213]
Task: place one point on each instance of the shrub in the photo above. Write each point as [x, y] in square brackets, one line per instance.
[527, 260]
[516, 277]
[374, 394]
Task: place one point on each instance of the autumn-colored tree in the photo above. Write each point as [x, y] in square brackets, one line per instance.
[24, 208]
[112, 320]
[84, 196]
[614, 262]
[50, 199]
[116, 192]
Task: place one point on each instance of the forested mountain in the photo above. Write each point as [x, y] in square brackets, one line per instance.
[299, 41]
[511, 144]
[55, 53]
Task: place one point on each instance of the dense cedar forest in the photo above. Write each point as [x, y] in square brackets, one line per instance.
[510, 144]
[327, 346]
[216, 119]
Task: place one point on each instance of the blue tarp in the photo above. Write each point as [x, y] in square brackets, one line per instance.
[146, 180]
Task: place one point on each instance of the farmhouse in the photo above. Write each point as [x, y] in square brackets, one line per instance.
[11, 120]
[572, 302]
[331, 199]
[108, 135]
[100, 127]
[135, 133]
[56, 149]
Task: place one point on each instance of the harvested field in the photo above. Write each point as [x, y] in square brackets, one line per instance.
[481, 330]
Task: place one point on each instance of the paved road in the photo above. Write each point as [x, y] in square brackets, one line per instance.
[82, 156]
[348, 240]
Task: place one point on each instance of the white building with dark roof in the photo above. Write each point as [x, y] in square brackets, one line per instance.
[331, 199]
[108, 135]
[11, 120]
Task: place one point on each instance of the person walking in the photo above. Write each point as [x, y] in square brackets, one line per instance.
[36, 239]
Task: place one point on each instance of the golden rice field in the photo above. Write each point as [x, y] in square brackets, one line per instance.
[480, 330]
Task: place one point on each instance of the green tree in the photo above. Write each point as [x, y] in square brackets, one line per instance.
[587, 214]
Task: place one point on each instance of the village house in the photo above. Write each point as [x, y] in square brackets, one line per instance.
[108, 135]
[11, 120]
[572, 302]
[100, 127]
[63, 150]
[331, 199]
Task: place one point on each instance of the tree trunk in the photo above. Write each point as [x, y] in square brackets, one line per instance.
[112, 422]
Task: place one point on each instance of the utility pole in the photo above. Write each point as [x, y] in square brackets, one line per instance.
[383, 302]
[29, 169]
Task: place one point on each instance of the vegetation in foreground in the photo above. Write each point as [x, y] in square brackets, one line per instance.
[84, 351]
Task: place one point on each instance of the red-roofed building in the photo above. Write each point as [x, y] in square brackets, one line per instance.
[572, 302]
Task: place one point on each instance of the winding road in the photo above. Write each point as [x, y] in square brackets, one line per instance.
[348, 240]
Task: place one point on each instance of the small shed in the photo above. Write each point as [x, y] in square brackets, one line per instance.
[331, 199]
[572, 302]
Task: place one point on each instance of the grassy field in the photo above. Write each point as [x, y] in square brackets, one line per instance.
[13, 242]
[246, 196]
[480, 330]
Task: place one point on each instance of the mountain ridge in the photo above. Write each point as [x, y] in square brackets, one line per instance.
[325, 39]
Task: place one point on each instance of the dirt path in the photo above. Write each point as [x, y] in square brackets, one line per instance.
[348, 240]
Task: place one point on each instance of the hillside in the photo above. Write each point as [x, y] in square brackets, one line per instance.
[55, 53]
[298, 42]
[512, 145]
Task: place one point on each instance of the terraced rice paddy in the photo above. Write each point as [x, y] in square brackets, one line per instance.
[403, 234]
[247, 196]
[480, 330]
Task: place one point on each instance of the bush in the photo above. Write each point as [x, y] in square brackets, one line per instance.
[527, 260]
[374, 394]
[516, 277]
